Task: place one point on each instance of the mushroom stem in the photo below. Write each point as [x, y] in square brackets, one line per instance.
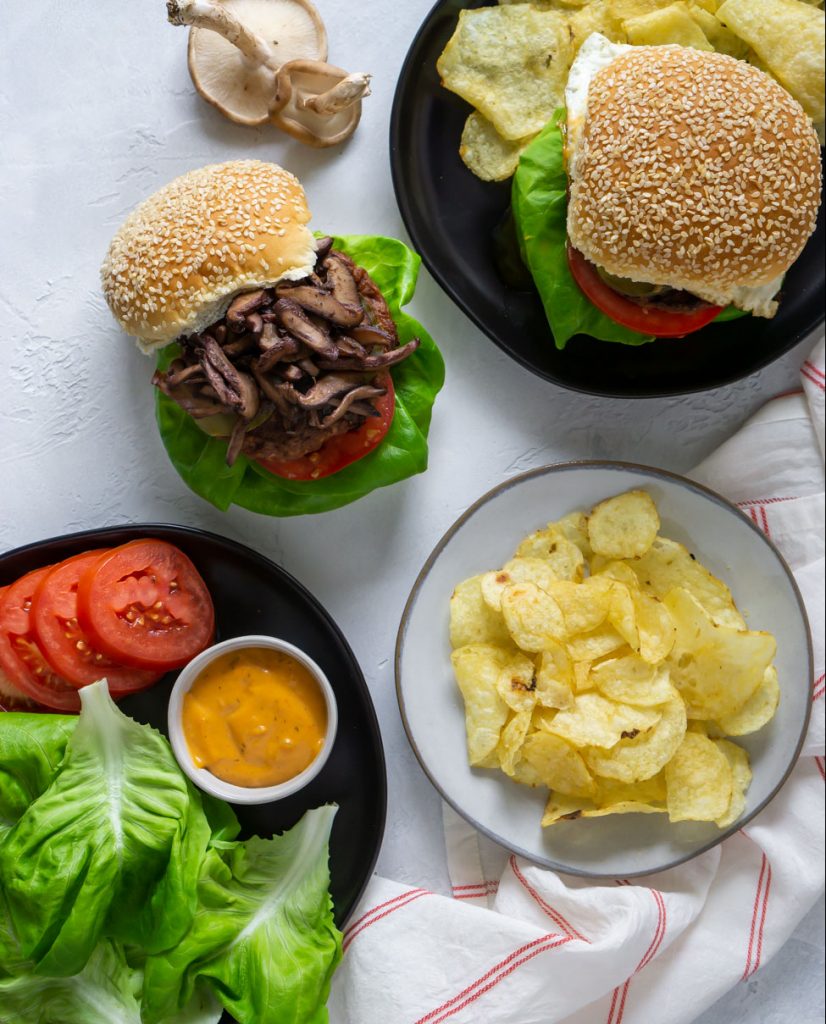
[215, 17]
[348, 91]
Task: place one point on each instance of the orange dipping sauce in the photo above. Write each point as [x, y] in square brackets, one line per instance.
[255, 717]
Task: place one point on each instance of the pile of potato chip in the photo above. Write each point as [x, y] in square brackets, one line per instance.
[511, 62]
[606, 663]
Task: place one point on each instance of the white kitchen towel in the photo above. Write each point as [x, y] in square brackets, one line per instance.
[518, 944]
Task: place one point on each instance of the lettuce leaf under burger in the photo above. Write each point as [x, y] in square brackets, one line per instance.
[540, 208]
[201, 459]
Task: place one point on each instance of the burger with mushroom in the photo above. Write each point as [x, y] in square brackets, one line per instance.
[278, 347]
[693, 183]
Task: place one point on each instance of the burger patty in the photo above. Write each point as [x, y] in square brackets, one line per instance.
[292, 366]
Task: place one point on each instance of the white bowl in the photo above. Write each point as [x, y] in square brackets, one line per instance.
[485, 537]
[202, 777]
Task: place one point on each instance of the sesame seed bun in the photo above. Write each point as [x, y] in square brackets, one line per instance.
[180, 257]
[695, 171]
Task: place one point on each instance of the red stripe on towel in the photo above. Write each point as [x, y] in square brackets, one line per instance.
[758, 919]
[492, 977]
[381, 911]
[554, 915]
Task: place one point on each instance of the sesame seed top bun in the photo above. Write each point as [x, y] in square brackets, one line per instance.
[696, 171]
[180, 257]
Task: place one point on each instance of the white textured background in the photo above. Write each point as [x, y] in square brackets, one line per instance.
[96, 111]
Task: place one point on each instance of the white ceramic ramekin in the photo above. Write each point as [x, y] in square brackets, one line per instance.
[204, 778]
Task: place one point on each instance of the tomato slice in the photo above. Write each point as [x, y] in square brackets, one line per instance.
[21, 660]
[65, 645]
[662, 323]
[145, 605]
[340, 451]
[12, 699]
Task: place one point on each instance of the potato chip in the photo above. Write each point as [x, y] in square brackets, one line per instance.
[758, 710]
[788, 36]
[716, 669]
[741, 775]
[511, 63]
[721, 38]
[597, 16]
[564, 557]
[609, 798]
[699, 780]
[524, 772]
[511, 740]
[672, 24]
[668, 565]
[656, 628]
[624, 526]
[624, 9]
[518, 570]
[477, 668]
[596, 722]
[558, 764]
[532, 616]
[555, 678]
[517, 684]
[582, 676]
[486, 153]
[471, 620]
[597, 644]
[615, 570]
[584, 605]
[630, 680]
[622, 612]
[632, 760]
[548, 5]
[649, 791]
[574, 526]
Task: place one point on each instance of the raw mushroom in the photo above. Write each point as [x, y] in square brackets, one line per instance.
[237, 46]
[317, 103]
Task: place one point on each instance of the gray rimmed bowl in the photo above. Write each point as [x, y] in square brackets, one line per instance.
[484, 538]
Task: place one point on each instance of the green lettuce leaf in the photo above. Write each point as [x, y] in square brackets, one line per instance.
[106, 991]
[264, 934]
[113, 846]
[539, 202]
[200, 460]
[31, 751]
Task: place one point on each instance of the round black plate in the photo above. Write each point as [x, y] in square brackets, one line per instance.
[253, 595]
[451, 217]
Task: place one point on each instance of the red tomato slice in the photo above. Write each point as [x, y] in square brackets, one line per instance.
[340, 451]
[65, 645]
[145, 605]
[662, 323]
[12, 699]
[21, 660]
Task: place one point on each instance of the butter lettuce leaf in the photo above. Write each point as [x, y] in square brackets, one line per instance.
[31, 751]
[106, 991]
[200, 459]
[114, 845]
[539, 201]
[264, 935]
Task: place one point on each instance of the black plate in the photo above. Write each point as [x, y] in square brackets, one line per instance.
[253, 595]
[451, 217]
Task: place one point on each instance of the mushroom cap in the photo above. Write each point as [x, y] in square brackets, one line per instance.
[226, 78]
[301, 79]
[182, 255]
